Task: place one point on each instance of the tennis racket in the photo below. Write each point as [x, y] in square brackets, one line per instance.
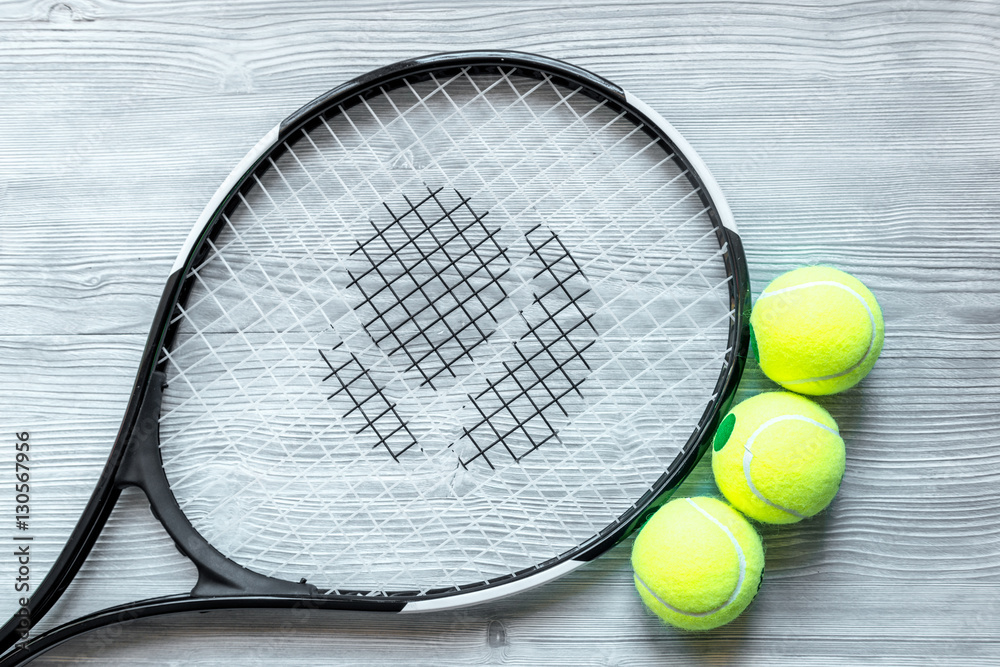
[447, 332]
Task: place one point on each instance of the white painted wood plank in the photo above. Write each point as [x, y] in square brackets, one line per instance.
[862, 134]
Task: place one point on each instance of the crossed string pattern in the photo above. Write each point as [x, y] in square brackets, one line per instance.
[431, 270]
[551, 362]
[430, 286]
[369, 399]
[246, 439]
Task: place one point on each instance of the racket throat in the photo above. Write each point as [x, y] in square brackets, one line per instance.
[142, 467]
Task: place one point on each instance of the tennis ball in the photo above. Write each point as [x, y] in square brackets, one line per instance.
[816, 330]
[778, 457]
[697, 563]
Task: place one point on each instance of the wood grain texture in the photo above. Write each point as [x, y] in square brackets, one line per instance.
[862, 134]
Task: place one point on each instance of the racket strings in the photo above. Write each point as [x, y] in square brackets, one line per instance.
[432, 282]
[633, 316]
[369, 399]
[551, 364]
[406, 271]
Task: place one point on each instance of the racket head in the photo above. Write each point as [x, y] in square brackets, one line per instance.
[533, 271]
[452, 232]
[447, 194]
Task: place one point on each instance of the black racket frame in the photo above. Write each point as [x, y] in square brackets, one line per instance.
[135, 458]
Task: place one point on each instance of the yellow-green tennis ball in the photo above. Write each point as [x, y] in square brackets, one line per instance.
[697, 563]
[778, 457]
[816, 330]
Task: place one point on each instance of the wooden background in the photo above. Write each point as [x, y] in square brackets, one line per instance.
[862, 134]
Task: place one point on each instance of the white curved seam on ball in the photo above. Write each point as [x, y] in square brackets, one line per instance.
[739, 582]
[748, 455]
[871, 317]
